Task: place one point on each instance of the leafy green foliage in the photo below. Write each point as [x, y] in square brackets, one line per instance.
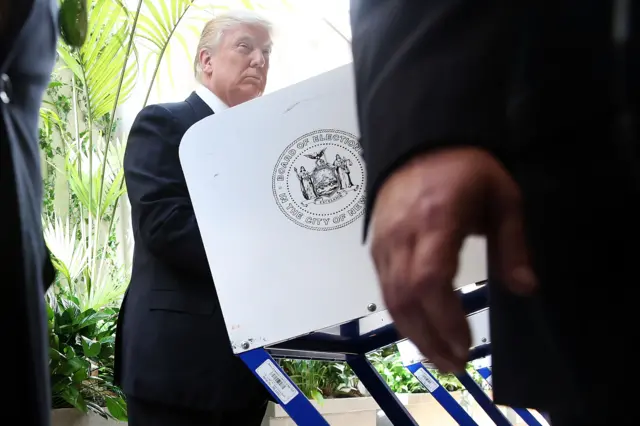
[101, 60]
[86, 187]
[81, 349]
[84, 159]
[390, 367]
[323, 379]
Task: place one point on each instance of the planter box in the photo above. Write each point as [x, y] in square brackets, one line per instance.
[338, 412]
[73, 417]
[364, 412]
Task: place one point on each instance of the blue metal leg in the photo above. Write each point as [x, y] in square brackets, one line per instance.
[485, 372]
[524, 414]
[379, 390]
[288, 395]
[441, 395]
[483, 400]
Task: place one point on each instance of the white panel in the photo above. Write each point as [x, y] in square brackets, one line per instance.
[478, 324]
[285, 266]
[473, 262]
[409, 353]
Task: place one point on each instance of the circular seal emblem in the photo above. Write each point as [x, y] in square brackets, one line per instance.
[319, 180]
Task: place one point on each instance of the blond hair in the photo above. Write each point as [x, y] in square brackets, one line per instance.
[214, 30]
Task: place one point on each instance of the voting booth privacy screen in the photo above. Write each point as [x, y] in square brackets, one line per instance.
[278, 188]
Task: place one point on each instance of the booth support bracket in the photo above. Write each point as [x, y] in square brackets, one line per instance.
[483, 400]
[441, 395]
[282, 388]
[525, 414]
[380, 391]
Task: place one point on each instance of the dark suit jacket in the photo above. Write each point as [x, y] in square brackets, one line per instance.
[172, 341]
[27, 54]
[552, 90]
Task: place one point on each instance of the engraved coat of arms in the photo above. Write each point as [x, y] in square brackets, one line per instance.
[327, 181]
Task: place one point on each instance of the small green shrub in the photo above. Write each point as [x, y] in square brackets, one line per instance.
[81, 348]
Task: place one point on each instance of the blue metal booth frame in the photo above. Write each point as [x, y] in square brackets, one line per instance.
[352, 347]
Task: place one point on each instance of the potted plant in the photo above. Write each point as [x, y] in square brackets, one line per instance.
[81, 348]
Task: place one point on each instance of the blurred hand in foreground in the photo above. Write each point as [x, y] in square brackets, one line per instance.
[422, 215]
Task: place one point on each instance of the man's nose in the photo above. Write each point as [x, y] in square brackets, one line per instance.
[258, 59]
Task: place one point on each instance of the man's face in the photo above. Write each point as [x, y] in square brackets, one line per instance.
[237, 71]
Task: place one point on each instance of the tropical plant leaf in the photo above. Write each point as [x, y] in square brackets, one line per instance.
[157, 27]
[73, 397]
[159, 21]
[117, 408]
[91, 348]
[100, 62]
[85, 182]
[69, 256]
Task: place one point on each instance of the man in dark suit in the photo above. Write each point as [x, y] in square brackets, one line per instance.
[28, 35]
[518, 121]
[174, 359]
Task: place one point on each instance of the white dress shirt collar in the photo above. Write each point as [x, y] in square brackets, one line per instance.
[211, 99]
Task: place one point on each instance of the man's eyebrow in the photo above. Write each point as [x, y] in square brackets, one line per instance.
[252, 40]
[245, 38]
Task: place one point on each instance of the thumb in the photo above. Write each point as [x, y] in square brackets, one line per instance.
[508, 252]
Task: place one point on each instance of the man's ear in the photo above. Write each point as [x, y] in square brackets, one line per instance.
[205, 61]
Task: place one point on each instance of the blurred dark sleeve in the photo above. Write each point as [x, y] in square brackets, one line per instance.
[163, 218]
[49, 272]
[429, 74]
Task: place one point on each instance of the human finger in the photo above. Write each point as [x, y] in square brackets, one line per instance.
[394, 257]
[434, 266]
[509, 255]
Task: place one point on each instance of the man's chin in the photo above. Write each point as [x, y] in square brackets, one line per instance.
[247, 95]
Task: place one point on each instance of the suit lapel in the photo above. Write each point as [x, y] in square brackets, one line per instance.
[200, 108]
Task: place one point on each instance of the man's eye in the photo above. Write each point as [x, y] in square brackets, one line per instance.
[244, 45]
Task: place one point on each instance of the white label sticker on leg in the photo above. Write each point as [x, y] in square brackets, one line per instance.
[426, 380]
[277, 382]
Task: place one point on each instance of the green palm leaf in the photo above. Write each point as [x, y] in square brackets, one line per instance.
[100, 62]
[85, 183]
[156, 29]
